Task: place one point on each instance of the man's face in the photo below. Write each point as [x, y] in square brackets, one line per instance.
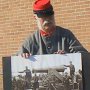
[46, 23]
[70, 63]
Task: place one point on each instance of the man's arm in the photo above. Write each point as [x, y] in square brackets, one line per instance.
[67, 65]
[75, 45]
[25, 50]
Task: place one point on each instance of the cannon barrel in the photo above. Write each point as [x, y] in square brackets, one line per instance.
[45, 70]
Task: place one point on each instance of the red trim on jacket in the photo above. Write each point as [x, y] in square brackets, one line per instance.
[46, 34]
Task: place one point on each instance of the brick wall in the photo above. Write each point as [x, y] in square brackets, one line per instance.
[16, 22]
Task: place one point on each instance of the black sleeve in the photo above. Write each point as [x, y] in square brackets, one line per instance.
[74, 44]
[30, 45]
[26, 46]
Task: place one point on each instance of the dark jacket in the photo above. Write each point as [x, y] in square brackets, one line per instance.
[62, 39]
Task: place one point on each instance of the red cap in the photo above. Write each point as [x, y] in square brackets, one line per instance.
[41, 5]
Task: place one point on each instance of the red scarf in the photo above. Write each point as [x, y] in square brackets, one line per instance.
[46, 34]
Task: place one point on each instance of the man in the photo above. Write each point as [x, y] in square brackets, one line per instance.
[72, 72]
[36, 83]
[72, 68]
[66, 81]
[28, 77]
[79, 79]
[49, 38]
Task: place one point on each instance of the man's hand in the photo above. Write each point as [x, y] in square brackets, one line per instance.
[26, 55]
[60, 52]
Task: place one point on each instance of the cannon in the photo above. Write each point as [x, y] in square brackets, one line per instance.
[45, 70]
